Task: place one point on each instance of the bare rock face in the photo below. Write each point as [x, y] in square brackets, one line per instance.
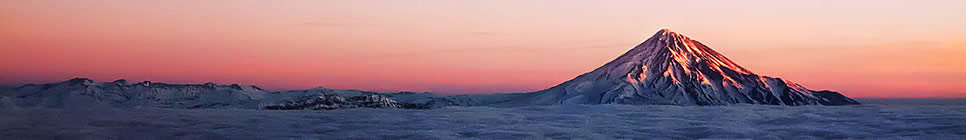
[670, 68]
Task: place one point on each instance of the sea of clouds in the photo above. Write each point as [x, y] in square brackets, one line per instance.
[876, 119]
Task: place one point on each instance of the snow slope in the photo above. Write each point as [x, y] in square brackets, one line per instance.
[87, 93]
[670, 68]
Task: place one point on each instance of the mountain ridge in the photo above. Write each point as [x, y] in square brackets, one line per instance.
[80, 93]
[668, 68]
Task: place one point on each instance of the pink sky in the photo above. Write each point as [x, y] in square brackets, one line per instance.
[863, 48]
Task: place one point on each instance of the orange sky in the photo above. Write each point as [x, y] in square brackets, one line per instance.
[863, 48]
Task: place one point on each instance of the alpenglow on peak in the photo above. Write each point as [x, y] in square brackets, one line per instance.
[670, 68]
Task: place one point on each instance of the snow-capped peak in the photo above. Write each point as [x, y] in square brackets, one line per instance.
[670, 68]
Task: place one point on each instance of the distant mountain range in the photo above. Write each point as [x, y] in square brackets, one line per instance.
[666, 69]
[86, 93]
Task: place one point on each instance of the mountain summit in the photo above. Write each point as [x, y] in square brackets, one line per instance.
[670, 68]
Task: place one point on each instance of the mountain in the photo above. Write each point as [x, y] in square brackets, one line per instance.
[87, 93]
[670, 68]
[83, 93]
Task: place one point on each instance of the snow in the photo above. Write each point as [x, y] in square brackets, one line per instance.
[670, 68]
[81, 93]
[938, 119]
[659, 75]
[667, 69]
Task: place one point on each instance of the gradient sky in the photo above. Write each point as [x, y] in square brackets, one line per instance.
[863, 48]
